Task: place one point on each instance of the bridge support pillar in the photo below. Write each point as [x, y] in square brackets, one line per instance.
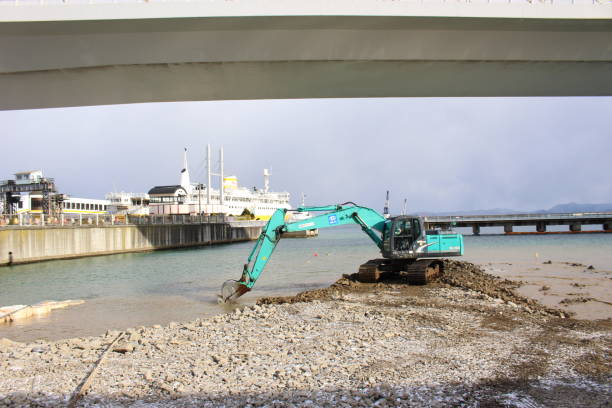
[575, 227]
[476, 229]
[541, 227]
[607, 226]
[508, 228]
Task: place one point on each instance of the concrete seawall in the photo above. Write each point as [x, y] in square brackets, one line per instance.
[32, 244]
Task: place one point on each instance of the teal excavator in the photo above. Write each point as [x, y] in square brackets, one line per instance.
[408, 250]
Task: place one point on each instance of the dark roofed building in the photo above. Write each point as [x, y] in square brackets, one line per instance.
[168, 200]
[167, 190]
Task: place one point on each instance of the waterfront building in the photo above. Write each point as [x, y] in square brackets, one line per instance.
[28, 177]
[32, 193]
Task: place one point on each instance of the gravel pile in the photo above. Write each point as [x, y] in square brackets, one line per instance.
[351, 345]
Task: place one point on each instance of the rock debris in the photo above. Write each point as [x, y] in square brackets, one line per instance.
[468, 340]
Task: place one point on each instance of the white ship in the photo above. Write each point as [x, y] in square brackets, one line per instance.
[230, 199]
[122, 203]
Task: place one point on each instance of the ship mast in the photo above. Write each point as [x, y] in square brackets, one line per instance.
[266, 180]
[221, 186]
[209, 174]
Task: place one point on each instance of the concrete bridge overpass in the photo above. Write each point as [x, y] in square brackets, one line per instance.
[56, 53]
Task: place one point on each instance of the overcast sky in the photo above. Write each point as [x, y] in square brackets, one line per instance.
[441, 154]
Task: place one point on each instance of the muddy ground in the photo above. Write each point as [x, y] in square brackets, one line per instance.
[458, 274]
[467, 340]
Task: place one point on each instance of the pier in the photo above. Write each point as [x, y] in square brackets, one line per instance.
[32, 243]
[574, 221]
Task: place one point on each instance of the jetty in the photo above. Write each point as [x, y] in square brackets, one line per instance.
[574, 221]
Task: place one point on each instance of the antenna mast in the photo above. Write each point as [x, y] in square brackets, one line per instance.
[386, 209]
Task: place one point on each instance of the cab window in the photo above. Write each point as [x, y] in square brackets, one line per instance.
[403, 234]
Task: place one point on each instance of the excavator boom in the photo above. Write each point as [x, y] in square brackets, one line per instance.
[371, 222]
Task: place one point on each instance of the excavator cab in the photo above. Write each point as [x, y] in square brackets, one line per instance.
[400, 237]
[404, 237]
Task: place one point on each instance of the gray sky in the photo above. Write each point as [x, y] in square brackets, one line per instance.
[439, 153]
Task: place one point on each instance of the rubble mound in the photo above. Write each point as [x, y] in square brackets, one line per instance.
[460, 274]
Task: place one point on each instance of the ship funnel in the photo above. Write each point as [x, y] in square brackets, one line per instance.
[185, 180]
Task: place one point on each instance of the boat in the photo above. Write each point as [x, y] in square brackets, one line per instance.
[230, 199]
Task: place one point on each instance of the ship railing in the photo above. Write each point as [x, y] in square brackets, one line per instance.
[97, 220]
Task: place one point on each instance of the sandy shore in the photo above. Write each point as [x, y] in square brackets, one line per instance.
[469, 340]
[580, 289]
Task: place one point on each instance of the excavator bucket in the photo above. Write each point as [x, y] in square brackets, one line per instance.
[231, 290]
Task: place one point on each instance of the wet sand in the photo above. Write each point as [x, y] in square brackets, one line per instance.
[580, 289]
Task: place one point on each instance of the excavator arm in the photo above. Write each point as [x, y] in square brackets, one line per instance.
[370, 221]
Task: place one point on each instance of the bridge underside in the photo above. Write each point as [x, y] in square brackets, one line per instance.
[79, 63]
[300, 79]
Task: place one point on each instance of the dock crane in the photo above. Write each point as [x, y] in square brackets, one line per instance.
[407, 249]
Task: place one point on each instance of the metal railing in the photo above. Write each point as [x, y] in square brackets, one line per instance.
[93, 220]
[519, 217]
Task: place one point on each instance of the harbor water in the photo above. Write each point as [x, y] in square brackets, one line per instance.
[131, 290]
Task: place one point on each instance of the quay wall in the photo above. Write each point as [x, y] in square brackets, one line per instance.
[32, 244]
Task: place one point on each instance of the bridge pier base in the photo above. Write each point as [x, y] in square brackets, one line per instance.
[541, 227]
[476, 229]
[607, 226]
[575, 227]
[508, 228]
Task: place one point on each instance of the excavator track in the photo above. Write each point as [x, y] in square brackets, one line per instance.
[370, 272]
[423, 271]
[419, 272]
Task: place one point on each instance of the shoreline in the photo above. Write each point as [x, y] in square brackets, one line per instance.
[468, 339]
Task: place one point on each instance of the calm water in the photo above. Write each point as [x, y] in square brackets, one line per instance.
[129, 290]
